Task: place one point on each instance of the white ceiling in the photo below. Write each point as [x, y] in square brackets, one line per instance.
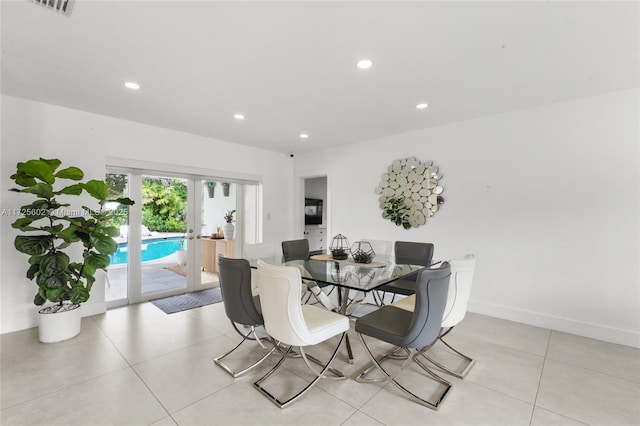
[290, 66]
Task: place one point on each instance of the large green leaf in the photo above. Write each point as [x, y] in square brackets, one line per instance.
[78, 294]
[98, 261]
[124, 201]
[33, 244]
[72, 173]
[104, 244]
[23, 179]
[42, 189]
[54, 163]
[39, 300]
[56, 294]
[54, 263]
[112, 231]
[97, 188]
[51, 281]
[69, 234]
[39, 169]
[31, 272]
[23, 223]
[75, 189]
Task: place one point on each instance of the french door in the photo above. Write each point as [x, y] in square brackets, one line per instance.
[160, 243]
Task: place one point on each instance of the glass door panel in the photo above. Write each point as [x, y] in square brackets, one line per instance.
[117, 283]
[165, 264]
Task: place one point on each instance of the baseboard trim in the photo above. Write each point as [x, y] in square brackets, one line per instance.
[30, 319]
[566, 325]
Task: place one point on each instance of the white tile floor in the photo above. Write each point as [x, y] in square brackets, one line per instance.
[138, 366]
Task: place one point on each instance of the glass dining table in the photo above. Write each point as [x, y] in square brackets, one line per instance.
[346, 275]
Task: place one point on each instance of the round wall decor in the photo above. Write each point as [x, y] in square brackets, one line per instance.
[410, 192]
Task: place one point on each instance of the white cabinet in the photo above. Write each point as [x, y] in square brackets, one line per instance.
[317, 237]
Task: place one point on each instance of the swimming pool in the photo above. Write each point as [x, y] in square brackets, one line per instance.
[151, 249]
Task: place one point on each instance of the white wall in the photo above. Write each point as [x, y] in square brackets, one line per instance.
[216, 208]
[32, 129]
[547, 199]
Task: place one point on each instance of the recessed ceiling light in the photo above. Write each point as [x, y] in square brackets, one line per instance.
[238, 116]
[131, 85]
[364, 64]
[303, 136]
[422, 106]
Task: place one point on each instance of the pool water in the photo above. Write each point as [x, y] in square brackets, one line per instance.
[151, 249]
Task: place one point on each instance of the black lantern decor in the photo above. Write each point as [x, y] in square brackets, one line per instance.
[339, 247]
[362, 252]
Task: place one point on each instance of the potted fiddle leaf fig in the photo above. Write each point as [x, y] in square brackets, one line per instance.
[67, 242]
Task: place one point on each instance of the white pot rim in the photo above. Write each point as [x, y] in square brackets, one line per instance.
[66, 307]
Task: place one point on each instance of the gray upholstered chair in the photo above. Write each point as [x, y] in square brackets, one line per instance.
[299, 250]
[295, 250]
[413, 253]
[241, 307]
[414, 332]
[455, 311]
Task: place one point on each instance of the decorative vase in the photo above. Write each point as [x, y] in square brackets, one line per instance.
[211, 190]
[228, 229]
[60, 325]
[225, 188]
[181, 257]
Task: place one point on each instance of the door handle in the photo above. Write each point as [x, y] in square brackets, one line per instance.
[198, 236]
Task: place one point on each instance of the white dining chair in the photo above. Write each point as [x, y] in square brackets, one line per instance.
[293, 324]
[258, 251]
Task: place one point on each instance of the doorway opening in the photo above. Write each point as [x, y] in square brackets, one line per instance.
[170, 239]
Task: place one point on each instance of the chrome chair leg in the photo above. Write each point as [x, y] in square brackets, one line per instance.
[219, 363]
[318, 375]
[468, 364]
[392, 354]
[391, 377]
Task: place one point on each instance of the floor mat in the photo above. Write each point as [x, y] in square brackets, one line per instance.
[183, 302]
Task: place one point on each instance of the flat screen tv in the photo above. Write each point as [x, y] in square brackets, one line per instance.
[312, 211]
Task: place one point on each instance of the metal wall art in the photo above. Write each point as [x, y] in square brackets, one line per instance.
[410, 192]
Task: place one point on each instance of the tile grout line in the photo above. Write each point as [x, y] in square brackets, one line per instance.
[544, 363]
[130, 366]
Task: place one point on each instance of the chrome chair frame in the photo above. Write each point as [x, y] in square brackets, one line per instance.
[412, 332]
[246, 337]
[469, 362]
[286, 319]
[240, 308]
[319, 375]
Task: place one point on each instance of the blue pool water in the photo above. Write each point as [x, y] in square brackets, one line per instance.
[151, 250]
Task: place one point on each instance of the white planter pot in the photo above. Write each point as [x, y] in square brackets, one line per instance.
[181, 257]
[59, 326]
[228, 229]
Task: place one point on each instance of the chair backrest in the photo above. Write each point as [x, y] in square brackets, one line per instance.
[431, 299]
[280, 293]
[259, 250]
[413, 253]
[459, 290]
[235, 283]
[380, 247]
[295, 250]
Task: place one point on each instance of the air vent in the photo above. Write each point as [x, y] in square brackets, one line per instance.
[61, 6]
